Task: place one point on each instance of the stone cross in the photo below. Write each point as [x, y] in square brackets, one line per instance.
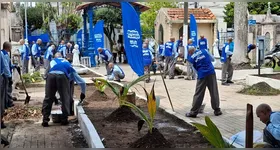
[269, 5]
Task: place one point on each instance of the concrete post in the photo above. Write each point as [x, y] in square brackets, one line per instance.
[185, 28]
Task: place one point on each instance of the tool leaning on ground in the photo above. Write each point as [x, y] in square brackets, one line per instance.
[27, 99]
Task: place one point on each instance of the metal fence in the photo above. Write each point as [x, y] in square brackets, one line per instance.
[224, 37]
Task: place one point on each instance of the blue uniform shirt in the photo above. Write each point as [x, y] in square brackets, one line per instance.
[170, 49]
[7, 64]
[187, 50]
[250, 47]
[62, 50]
[202, 43]
[115, 69]
[61, 66]
[202, 62]
[36, 50]
[48, 53]
[1, 64]
[106, 55]
[24, 50]
[147, 56]
[274, 126]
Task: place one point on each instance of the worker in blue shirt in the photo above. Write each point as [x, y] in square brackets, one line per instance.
[3, 90]
[106, 56]
[201, 60]
[58, 80]
[191, 74]
[249, 49]
[159, 57]
[62, 49]
[227, 68]
[48, 58]
[36, 54]
[116, 72]
[7, 47]
[202, 43]
[179, 43]
[170, 55]
[147, 59]
[271, 134]
[24, 50]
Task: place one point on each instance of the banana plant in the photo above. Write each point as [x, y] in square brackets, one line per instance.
[212, 134]
[123, 91]
[100, 86]
[152, 104]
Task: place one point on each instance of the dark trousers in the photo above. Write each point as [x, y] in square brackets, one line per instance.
[170, 63]
[268, 138]
[2, 95]
[72, 97]
[120, 57]
[210, 82]
[147, 72]
[115, 57]
[54, 83]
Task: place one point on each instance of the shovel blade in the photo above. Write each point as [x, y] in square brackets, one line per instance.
[27, 99]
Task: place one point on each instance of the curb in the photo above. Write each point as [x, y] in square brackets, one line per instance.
[88, 130]
[169, 111]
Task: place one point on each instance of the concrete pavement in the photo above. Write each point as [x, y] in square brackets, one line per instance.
[232, 103]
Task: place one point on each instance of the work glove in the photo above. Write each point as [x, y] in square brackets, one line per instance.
[82, 96]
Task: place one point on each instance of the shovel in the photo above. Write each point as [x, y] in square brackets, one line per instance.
[27, 99]
[4, 141]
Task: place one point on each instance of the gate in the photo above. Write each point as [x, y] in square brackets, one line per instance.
[224, 37]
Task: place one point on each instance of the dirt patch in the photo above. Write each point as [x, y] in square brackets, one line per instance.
[89, 74]
[98, 96]
[152, 140]
[122, 134]
[122, 114]
[77, 139]
[260, 89]
[242, 66]
[272, 76]
[22, 112]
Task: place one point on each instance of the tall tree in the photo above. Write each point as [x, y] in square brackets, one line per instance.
[112, 19]
[148, 17]
[240, 33]
[253, 7]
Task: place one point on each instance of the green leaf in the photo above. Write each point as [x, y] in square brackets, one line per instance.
[215, 132]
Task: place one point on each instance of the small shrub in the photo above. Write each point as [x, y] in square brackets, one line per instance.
[260, 89]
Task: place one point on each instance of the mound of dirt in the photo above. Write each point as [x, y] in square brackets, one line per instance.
[23, 112]
[98, 96]
[260, 89]
[242, 66]
[122, 114]
[151, 140]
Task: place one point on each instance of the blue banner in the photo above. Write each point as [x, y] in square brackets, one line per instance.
[132, 38]
[79, 39]
[218, 37]
[193, 29]
[98, 33]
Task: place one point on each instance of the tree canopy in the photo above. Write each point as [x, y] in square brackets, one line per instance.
[112, 19]
[253, 8]
[148, 17]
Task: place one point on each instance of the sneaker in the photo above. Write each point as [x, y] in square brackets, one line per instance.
[230, 82]
[171, 78]
[118, 80]
[187, 78]
[225, 83]
[191, 115]
[217, 112]
[45, 124]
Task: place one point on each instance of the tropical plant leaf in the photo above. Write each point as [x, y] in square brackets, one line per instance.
[137, 81]
[152, 103]
[115, 90]
[140, 124]
[215, 132]
[206, 132]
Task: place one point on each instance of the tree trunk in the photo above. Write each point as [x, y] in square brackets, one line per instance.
[240, 33]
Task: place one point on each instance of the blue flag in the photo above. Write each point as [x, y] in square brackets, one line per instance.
[98, 32]
[79, 38]
[193, 29]
[132, 38]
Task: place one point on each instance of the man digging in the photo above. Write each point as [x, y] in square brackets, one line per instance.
[201, 61]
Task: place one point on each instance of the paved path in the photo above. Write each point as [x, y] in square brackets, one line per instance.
[30, 133]
[233, 104]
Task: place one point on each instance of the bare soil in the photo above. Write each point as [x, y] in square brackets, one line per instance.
[176, 132]
[260, 89]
